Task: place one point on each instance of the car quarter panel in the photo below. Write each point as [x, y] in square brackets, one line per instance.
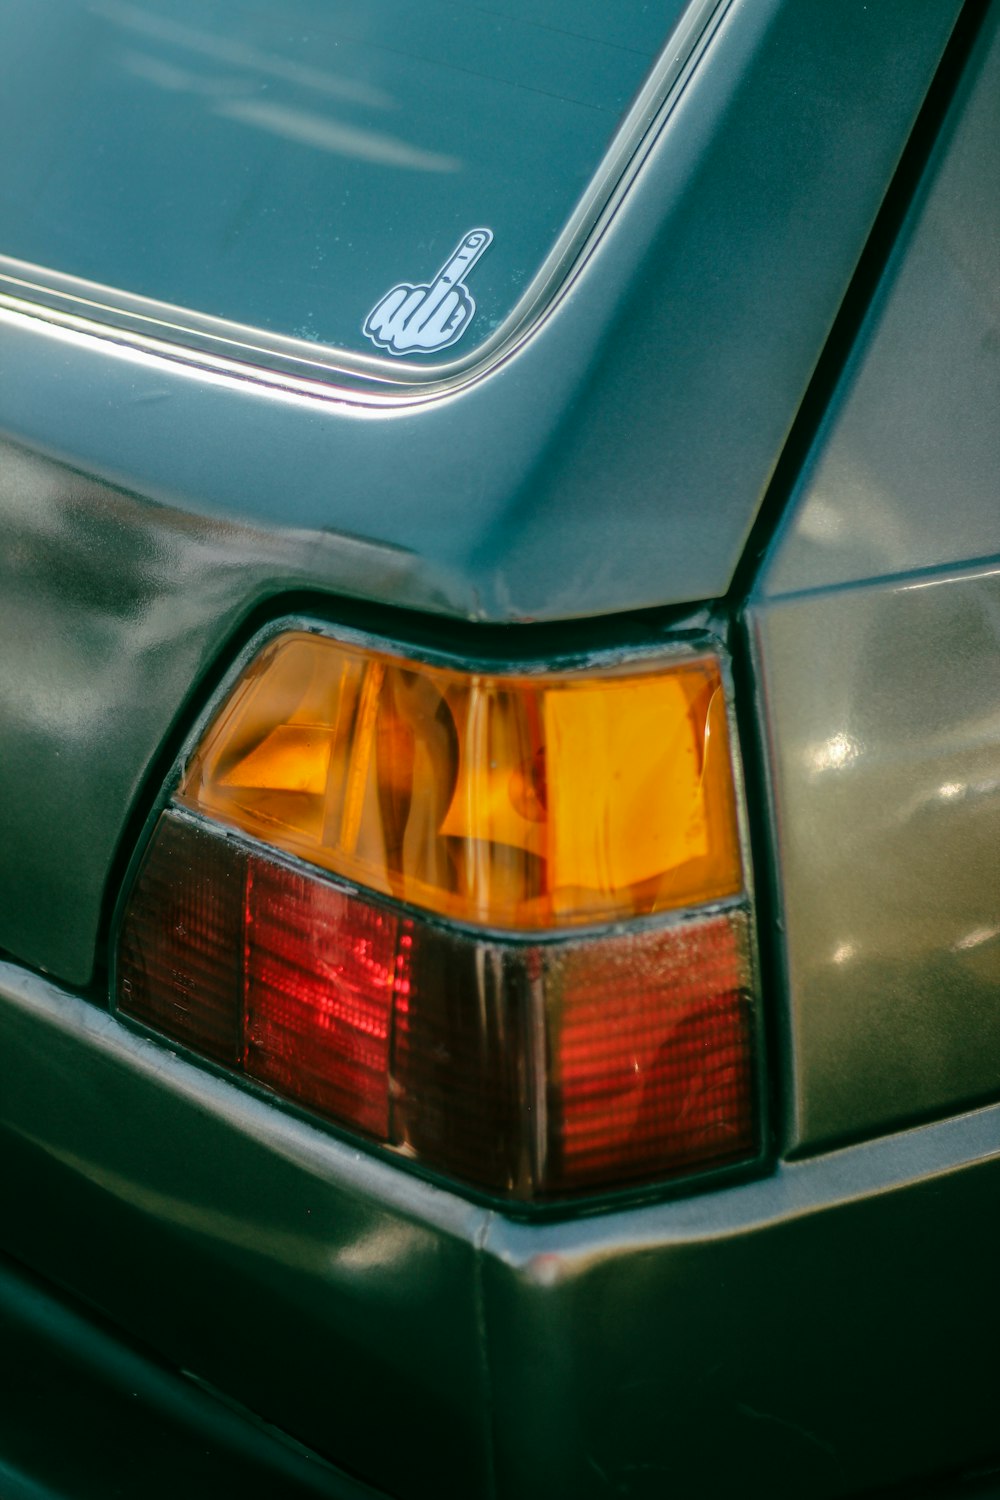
[876, 641]
[615, 461]
[155, 512]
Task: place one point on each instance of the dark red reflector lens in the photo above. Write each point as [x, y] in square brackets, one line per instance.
[650, 1057]
[179, 967]
[529, 1069]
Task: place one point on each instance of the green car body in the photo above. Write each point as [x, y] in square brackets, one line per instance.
[750, 403]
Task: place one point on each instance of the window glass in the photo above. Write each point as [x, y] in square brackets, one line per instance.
[286, 163]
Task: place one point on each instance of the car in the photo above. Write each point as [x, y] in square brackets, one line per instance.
[499, 803]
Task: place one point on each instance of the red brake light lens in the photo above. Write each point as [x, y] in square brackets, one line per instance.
[531, 1070]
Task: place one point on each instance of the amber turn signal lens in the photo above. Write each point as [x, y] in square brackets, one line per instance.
[509, 801]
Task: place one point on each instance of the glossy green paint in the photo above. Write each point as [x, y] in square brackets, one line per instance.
[613, 462]
[883, 734]
[825, 1320]
[876, 638]
[106, 1406]
[334, 1296]
[903, 477]
[821, 1333]
[795, 1329]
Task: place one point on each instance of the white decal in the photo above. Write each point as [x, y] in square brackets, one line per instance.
[424, 318]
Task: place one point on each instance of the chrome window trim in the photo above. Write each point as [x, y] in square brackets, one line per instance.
[219, 344]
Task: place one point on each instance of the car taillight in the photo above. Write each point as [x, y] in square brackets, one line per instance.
[495, 922]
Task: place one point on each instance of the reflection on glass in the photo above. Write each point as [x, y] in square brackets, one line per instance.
[279, 166]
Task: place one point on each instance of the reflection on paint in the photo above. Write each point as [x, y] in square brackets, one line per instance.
[834, 754]
[975, 938]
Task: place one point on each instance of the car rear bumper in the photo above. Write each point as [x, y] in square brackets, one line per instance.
[84, 1412]
[825, 1329]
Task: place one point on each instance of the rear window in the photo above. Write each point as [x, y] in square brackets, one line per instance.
[285, 164]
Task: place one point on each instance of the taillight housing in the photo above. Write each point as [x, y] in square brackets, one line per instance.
[496, 922]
